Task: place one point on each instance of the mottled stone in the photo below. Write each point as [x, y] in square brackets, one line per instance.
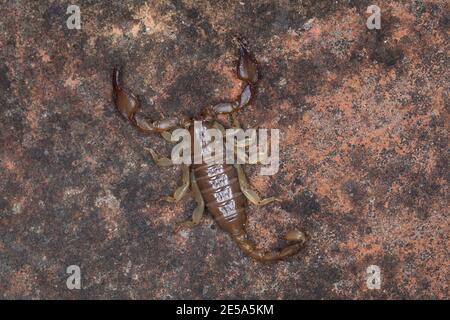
[364, 122]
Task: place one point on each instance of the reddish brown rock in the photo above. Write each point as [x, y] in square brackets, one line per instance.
[364, 121]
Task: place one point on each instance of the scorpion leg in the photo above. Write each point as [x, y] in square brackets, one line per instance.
[181, 191]
[167, 136]
[250, 194]
[160, 161]
[247, 65]
[128, 105]
[199, 210]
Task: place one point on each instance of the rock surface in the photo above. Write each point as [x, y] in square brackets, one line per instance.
[364, 123]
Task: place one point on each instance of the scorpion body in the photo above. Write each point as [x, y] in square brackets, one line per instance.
[222, 188]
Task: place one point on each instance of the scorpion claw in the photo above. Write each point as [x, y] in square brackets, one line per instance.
[126, 102]
[247, 65]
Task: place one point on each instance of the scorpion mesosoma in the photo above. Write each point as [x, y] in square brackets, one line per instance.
[223, 188]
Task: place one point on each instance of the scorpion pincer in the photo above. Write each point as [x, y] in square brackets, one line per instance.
[222, 188]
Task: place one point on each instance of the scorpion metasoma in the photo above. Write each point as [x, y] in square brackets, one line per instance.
[222, 188]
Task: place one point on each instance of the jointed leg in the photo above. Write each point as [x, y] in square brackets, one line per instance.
[181, 191]
[199, 210]
[167, 136]
[160, 161]
[250, 194]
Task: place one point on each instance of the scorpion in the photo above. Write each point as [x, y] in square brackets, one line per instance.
[222, 188]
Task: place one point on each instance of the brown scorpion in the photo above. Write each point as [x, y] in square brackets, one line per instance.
[223, 188]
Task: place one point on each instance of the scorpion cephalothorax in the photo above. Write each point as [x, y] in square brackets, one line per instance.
[222, 188]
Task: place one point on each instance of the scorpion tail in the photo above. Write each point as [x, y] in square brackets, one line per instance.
[297, 237]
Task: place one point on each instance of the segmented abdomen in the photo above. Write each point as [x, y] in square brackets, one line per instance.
[219, 186]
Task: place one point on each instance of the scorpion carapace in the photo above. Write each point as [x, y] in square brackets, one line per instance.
[222, 188]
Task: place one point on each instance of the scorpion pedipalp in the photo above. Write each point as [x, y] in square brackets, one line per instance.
[128, 105]
[126, 102]
[247, 66]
